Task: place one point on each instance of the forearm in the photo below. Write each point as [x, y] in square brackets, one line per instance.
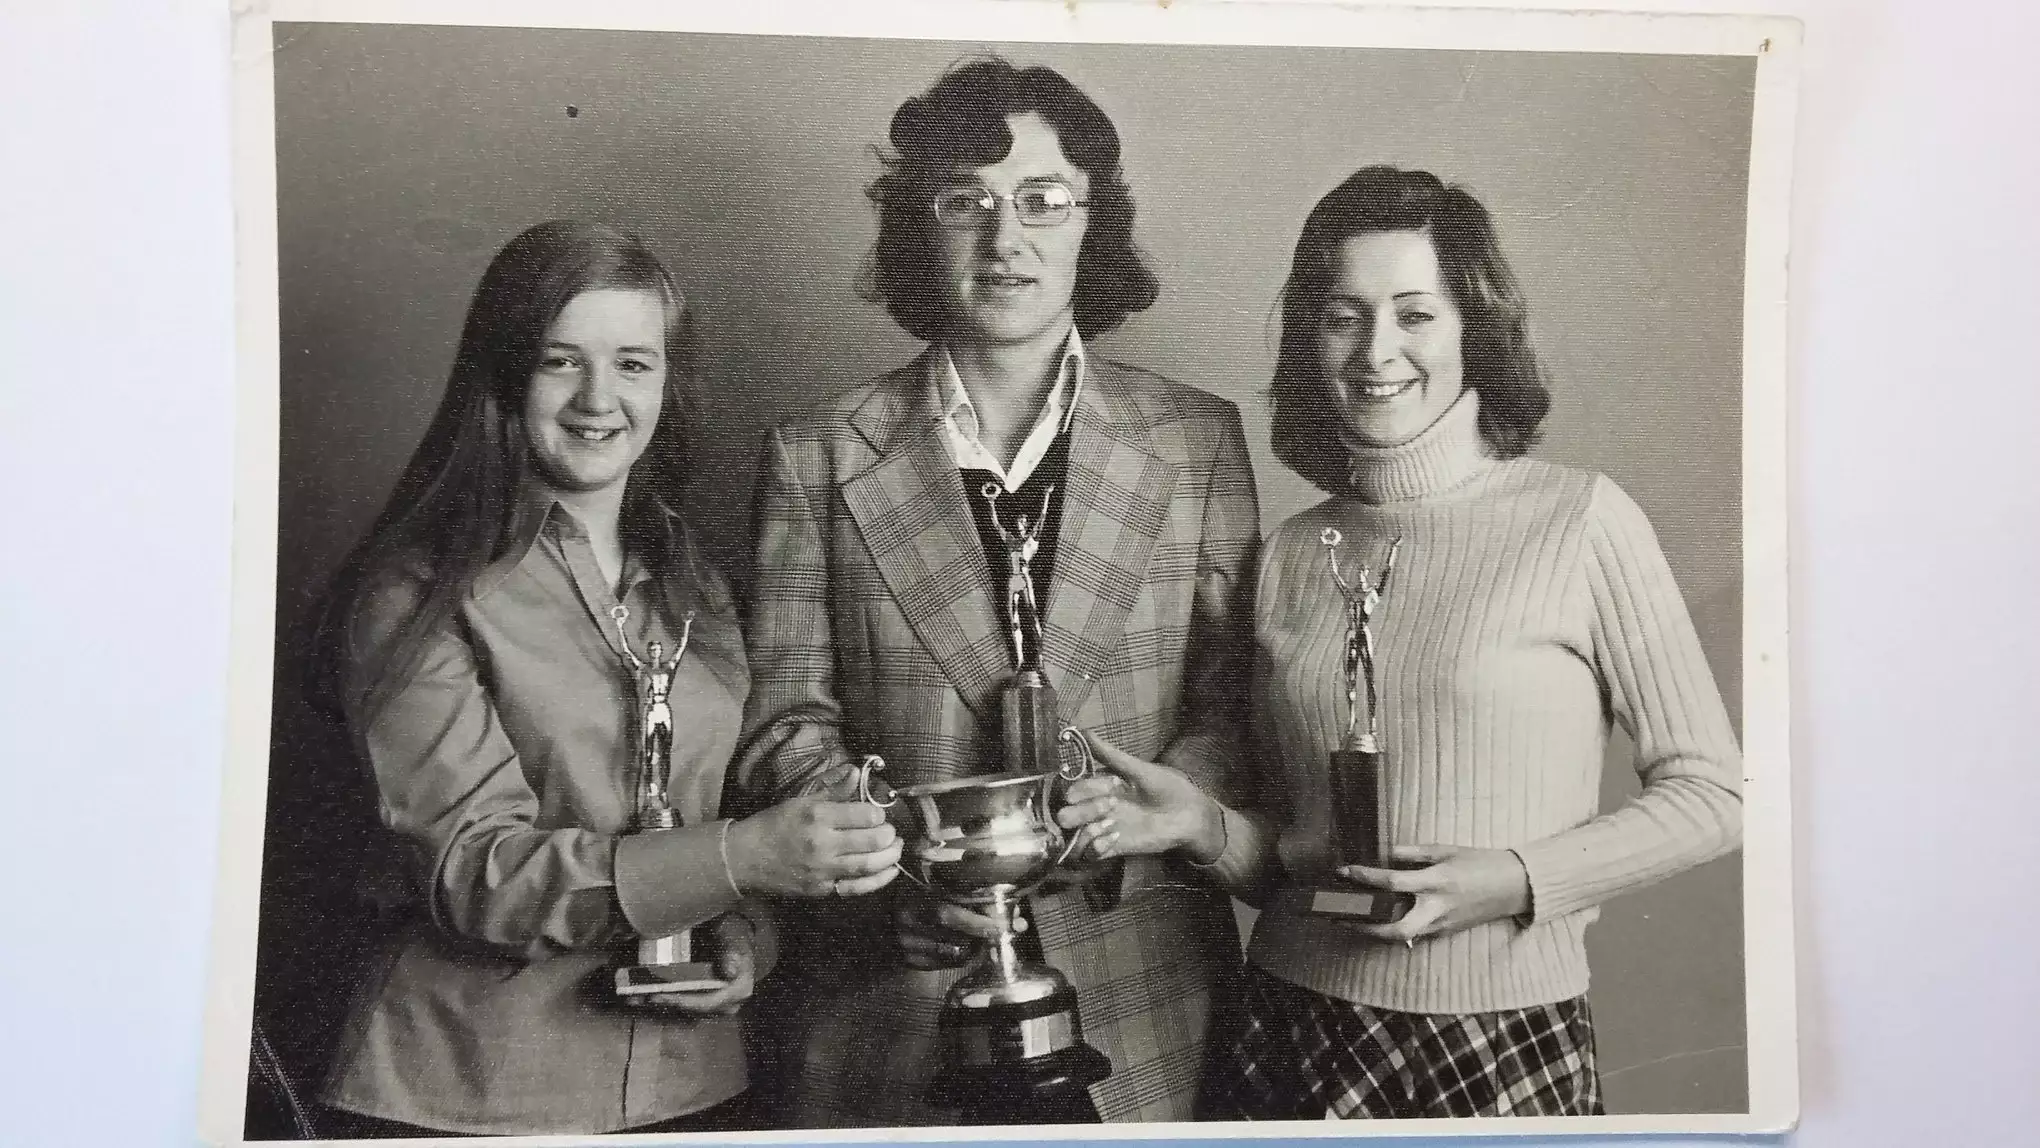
[1676, 823]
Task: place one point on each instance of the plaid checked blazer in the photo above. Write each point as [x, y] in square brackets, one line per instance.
[873, 630]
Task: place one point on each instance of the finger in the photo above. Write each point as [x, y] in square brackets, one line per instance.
[691, 1002]
[839, 784]
[848, 814]
[1105, 847]
[1424, 854]
[929, 953]
[1092, 788]
[1096, 832]
[1421, 921]
[854, 865]
[861, 886]
[739, 992]
[973, 924]
[734, 964]
[1084, 813]
[849, 841]
[1393, 880]
[1111, 755]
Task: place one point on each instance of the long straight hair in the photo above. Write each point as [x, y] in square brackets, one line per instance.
[451, 513]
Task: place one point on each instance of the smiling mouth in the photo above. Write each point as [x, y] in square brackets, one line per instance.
[1380, 390]
[594, 434]
[1006, 281]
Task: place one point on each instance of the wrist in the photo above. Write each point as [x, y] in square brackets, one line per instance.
[1206, 841]
[737, 853]
[723, 847]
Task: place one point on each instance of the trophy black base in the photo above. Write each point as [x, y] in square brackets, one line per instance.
[1018, 1062]
[682, 977]
[1051, 1089]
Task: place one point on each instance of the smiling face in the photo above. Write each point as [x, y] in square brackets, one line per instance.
[595, 395]
[1389, 338]
[1006, 282]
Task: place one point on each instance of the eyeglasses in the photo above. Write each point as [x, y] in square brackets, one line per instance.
[1040, 204]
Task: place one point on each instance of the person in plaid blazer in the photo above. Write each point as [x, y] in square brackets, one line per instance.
[1005, 241]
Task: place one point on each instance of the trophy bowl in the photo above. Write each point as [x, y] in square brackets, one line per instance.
[973, 837]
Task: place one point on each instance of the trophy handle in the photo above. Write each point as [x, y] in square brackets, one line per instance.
[1086, 765]
[1087, 762]
[866, 769]
[866, 773]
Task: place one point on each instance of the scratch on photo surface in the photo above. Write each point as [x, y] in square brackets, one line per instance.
[1611, 1073]
[1466, 75]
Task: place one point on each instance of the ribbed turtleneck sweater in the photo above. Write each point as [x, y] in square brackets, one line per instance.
[1531, 607]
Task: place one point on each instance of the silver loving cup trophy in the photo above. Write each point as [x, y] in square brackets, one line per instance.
[1009, 1025]
[664, 964]
[1358, 808]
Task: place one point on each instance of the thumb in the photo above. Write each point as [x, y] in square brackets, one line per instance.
[1119, 761]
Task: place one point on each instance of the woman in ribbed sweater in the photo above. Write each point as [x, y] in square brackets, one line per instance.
[1530, 607]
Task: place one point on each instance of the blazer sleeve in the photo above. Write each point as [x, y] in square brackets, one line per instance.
[793, 722]
[450, 786]
[1660, 690]
[1217, 658]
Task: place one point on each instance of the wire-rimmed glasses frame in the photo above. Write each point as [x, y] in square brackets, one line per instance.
[1037, 203]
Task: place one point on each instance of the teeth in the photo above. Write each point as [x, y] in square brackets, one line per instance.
[586, 434]
[1383, 390]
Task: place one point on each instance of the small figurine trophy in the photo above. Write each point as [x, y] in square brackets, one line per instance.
[664, 964]
[1358, 811]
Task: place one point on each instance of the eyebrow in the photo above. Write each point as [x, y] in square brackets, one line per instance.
[1335, 297]
[969, 175]
[634, 348]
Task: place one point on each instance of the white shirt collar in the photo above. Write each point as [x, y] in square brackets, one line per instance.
[957, 418]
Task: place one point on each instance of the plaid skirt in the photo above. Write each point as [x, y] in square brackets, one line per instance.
[1301, 1055]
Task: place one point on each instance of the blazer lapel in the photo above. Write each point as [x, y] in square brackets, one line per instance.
[1115, 506]
[910, 509]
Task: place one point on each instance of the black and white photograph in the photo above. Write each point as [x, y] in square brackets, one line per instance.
[895, 570]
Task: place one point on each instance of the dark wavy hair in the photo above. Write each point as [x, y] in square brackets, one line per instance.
[961, 122]
[1495, 338]
[451, 513]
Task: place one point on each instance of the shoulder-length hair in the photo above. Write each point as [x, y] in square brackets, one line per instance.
[451, 512]
[961, 122]
[1495, 338]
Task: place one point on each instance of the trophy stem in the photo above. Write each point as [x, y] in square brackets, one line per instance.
[1004, 957]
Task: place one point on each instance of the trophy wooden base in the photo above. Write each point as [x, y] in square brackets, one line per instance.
[686, 976]
[1347, 902]
[1343, 900]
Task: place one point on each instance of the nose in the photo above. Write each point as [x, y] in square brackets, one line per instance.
[597, 393]
[1381, 344]
[1004, 232]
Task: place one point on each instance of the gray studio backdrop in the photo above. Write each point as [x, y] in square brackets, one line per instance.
[406, 156]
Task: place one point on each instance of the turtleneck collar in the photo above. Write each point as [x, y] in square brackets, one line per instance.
[1448, 453]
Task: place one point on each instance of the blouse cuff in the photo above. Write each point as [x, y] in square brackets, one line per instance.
[1240, 862]
[672, 879]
